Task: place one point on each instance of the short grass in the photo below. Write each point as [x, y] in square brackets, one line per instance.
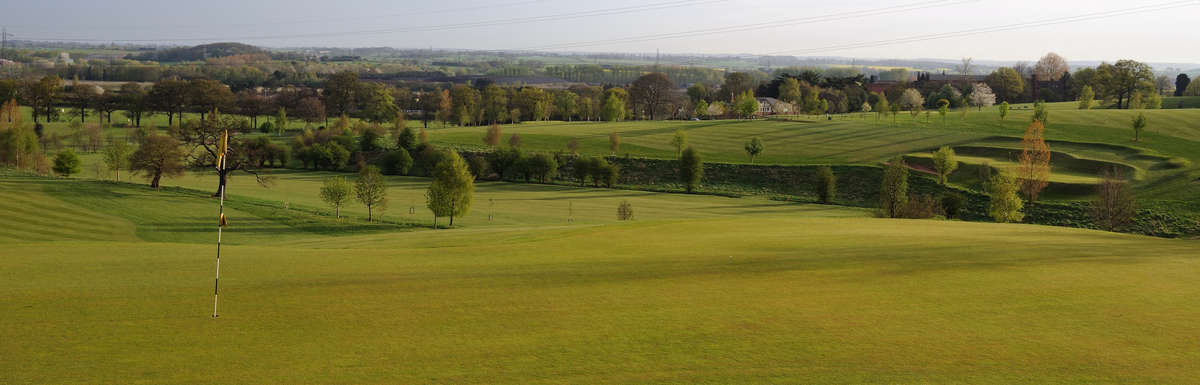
[93, 292]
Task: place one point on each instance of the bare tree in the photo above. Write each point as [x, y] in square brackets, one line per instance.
[967, 66]
[1114, 207]
[1051, 67]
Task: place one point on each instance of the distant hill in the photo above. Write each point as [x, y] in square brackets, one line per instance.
[200, 52]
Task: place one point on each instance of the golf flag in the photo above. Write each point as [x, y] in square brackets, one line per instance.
[222, 148]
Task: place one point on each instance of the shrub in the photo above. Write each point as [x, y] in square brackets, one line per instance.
[1114, 207]
[953, 204]
[542, 166]
[1005, 205]
[478, 166]
[580, 169]
[266, 127]
[893, 192]
[826, 185]
[397, 162]
[66, 163]
[625, 211]
[504, 160]
[599, 171]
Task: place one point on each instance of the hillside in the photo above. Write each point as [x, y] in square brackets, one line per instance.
[199, 52]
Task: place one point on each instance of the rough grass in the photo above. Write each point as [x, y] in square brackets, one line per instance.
[762, 296]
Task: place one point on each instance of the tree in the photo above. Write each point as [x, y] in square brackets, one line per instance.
[397, 162]
[492, 138]
[157, 156]
[893, 191]
[679, 141]
[967, 66]
[281, 121]
[339, 93]
[746, 106]
[1139, 123]
[116, 155]
[204, 139]
[1193, 89]
[691, 169]
[1033, 172]
[207, 95]
[1051, 67]
[310, 109]
[754, 147]
[1123, 79]
[370, 190]
[1040, 113]
[1003, 110]
[565, 103]
[943, 109]
[132, 98]
[1115, 206]
[614, 142]
[625, 211]
[614, 107]
[881, 106]
[249, 104]
[1181, 84]
[1005, 205]
[650, 92]
[701, 110]
[573, 146]
[407, 139]
[790, 91]
[1086, 97]
[514, 141]
[826, 185]
[697, 92]
[911, 100]
[944, 162]
[1006, 83]
[335, 192]
[580, 169]
[1164, 85]
[736, 83]
[982, 96]
[452, 189]
[375, 103]
[66, 162]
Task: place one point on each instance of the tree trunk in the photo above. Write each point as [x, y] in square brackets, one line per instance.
[435, 222]
[222, 176]
[154, 182]
[337, 212]
[451, 220]
[368, 213]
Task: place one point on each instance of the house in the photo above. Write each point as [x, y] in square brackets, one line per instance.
[772, 106]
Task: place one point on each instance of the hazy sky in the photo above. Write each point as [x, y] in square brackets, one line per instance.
[1169, 35]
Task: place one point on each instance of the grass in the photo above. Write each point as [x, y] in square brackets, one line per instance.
[708, 290]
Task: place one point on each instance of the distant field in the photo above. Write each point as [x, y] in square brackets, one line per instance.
[103, 283]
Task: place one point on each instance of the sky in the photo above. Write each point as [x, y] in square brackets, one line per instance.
[1154, 31]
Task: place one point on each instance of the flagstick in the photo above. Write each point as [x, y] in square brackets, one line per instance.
[220, 221]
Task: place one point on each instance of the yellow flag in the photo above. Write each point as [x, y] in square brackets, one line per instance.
[223, 146]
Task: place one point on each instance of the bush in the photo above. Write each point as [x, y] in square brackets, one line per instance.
[625, 211]
[397, 162]
[266, 127]
[542, 166]
[478, 166]
[580, 169]
[66, 163]
[503, 161]
[953, 204]
[599, 170]
[826, 185]
[691, 169]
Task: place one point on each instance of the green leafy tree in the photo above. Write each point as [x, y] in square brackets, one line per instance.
[1006, 83]
[407, 139]
[1124, 78]
[943, 109]
[691, 169]
[701, 109]
[754, 147]
[944, 162]
[826, 185]
[157, 156]
[1139, 124]
[1086, 98]
[452, 189]
[1003, 110]
[335, 192]
[746, 106]
[1040, 113]
[614, 142]
[893, 191]
[116, 155]
[66, 162]
[581, 169]
[1006, 204]
[370, 190]
[613, 109]
[281, 121]
[679, 141]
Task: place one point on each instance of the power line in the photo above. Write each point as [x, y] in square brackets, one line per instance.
[1000, 28]
[300, 21]
[753, 26]
[444, 27]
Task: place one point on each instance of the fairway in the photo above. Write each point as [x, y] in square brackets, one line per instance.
[699, 290]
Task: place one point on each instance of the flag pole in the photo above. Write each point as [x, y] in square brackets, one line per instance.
[224, 145]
